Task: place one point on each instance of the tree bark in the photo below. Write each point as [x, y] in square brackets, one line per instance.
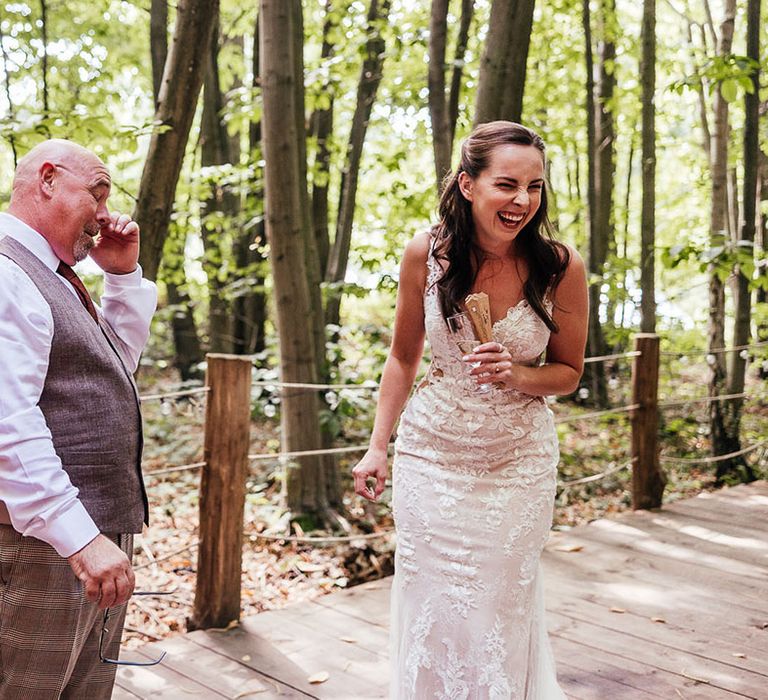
[321, 127]
[465, 22]
[182, 80]
[285, 224]
[721, 440]
[220, 209]
[737, 364]
[503, 66]
[368, 85]
[158, 42]
[249, 309]
[188, 355]
[594, 376]
[438, 107]
[648, 160]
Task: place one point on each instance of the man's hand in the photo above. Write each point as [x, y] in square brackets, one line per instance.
[105, 571]
[117, 247]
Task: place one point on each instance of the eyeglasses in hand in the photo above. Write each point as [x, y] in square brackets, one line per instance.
[105, 630]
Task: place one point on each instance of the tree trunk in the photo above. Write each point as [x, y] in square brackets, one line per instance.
[158, 42]
[321, 127]
[594, 376]
[44, 62]
[188, 353]
[285, 192]
[249, 308]
[503, 66]
[220, 210]
[721, 440]
[737, 365]
[467, 11]
[648, 160]
[438, 107]
[762, 266]
[368, 85]
[182, 79]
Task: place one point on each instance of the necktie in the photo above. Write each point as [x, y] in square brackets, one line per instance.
[71, 276]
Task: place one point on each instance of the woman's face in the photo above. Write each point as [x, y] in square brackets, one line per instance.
[506, 195]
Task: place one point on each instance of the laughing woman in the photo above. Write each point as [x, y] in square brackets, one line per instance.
[475, 471]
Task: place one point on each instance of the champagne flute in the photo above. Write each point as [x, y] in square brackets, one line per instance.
[463, 334]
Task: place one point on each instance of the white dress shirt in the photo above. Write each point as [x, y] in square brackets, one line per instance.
[41, 500]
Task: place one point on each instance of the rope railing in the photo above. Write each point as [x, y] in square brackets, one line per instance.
[702, 399]
[716, 458]
[173, 470]
[595, 477]
[617, 356]
[175, 394]
[733, 348]
[596, 414]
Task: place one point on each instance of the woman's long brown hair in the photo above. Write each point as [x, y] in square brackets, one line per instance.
[454, 235]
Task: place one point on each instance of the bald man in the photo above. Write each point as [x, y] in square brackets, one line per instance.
[71, 490]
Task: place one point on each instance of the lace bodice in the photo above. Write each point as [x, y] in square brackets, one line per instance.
[521, 331]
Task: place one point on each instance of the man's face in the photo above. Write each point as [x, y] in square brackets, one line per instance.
[81, 188]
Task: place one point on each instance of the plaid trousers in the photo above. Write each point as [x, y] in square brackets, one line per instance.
[49, 631]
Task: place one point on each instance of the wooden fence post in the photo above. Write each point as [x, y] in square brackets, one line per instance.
[222, 491]
[648, 480]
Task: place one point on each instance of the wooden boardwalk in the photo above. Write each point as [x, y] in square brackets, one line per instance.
[670, 604]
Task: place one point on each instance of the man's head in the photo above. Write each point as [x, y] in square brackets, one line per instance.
[60, 189]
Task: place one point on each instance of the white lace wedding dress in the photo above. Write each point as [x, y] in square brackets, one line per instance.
[474, 485]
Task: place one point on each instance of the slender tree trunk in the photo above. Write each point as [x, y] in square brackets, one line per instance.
[368, 85]
[737, 365]
[438, 107]
[648, 159]
[220, 210]
[158, 42]
[444, 102]
[44, 62]
[182, 79]
[503, 66]
[465, 22]
[721, 441]
[762, 266]
[249, 309]
[285, 192]
[321, 127]
[186, 342]
[594, 376]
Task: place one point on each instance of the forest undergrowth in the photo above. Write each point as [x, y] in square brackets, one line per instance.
[277, 572]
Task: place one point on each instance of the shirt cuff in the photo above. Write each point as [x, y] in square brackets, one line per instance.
[129, 279]
[70, 531]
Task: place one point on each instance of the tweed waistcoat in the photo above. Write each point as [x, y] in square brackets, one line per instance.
[90, 404]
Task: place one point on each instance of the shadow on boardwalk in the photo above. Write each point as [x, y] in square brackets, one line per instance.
[668, 604]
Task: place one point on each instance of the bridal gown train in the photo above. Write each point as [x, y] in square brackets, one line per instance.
[473, 491]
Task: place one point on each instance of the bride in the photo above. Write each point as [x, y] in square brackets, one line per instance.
[476, 454]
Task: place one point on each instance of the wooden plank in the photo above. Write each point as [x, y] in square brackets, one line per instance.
[581, 666]
[120, 693]
[367, 603]
[629, 578]
[689, 631]
[229, 677]
[161, 682]
[677, 576]
[642, 536]
[680, 662]
[288, 653]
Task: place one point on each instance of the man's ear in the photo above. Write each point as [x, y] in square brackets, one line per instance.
[47, 176]
[465, 185]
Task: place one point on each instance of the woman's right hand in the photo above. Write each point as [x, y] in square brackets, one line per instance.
[373, 465]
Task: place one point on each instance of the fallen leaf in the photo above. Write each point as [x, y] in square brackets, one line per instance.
[618, 610]
[348, 640]
[739, 655]
[232, 624]
[658, 619]
[319, 677]
[569, 548]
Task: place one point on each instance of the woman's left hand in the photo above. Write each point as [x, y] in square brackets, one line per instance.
[495, 364]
